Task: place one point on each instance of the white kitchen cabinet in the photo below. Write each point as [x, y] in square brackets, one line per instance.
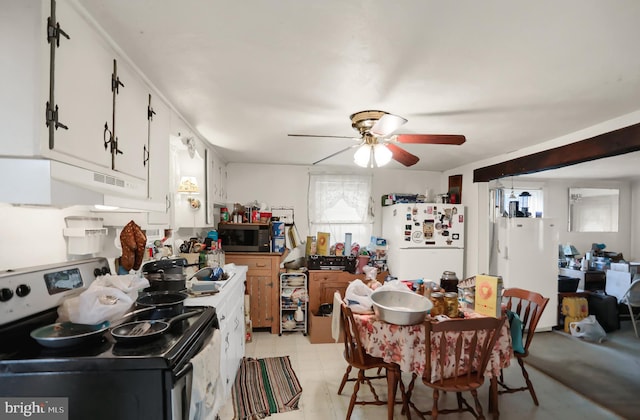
[189, 163]
[131, 105]
[216, 183]
[219, 184]
[83, 68]
[158, 164]
[229, 304]
[82, 96]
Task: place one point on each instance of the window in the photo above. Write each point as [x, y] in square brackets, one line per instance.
[341, 204]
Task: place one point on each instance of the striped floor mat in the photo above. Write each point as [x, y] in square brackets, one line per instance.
[265, 386]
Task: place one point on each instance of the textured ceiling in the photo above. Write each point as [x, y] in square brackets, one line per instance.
[505, 74]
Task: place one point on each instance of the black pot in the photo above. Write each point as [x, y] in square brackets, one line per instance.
[166, 282]
[166, 266]
[166, 303]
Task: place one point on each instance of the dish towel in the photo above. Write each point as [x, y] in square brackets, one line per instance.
[336, 326]
[206, 370]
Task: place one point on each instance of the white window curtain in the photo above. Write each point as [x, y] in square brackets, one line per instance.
[340, 204]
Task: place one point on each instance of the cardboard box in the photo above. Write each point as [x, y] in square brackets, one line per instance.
[488, 295]
[320, 329]
[323, 243]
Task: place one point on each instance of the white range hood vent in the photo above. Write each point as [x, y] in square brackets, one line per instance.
[51, 183]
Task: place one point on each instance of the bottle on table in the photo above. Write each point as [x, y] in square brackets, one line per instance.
[420, 288]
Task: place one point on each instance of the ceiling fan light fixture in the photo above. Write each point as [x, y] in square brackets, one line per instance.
[362, 155]
[382, 154]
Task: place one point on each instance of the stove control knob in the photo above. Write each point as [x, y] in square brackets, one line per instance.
[97, 272]
[105, 270]
[23, 290]
[5, 294]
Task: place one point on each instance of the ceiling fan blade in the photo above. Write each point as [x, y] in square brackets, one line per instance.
[402, 156]
[317, 135]
[431, 138]
[335, 154]
[387, 124]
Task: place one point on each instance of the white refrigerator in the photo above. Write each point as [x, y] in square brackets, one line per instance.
[525, 253]
[424, 240]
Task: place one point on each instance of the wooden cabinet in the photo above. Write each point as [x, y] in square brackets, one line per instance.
[262, 287]
[323, 283]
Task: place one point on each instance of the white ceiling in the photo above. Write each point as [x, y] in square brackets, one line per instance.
[505, 74]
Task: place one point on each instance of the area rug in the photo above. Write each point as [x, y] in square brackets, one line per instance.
[265, 386]
[606, 373]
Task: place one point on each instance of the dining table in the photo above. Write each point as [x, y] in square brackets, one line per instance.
[405, 345]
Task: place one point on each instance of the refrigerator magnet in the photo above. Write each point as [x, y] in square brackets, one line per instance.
[455, 236]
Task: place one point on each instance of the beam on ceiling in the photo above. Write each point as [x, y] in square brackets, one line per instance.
[613, 143]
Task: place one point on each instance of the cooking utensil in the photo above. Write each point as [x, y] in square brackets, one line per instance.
[400, 307]
[135, 332]
[166, 266]
[166, 282]
[68, 334]
[165, 303]
[140, 329]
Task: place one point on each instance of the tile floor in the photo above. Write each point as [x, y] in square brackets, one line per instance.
[320, 367]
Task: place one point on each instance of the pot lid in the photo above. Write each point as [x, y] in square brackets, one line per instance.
[163, 264]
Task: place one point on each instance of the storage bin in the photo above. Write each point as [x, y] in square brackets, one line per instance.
[567, 284]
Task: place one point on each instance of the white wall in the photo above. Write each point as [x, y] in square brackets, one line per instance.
[287, 186]
[33, 236]
[556, 205]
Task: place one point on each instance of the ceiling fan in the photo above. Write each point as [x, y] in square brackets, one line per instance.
[377, 143]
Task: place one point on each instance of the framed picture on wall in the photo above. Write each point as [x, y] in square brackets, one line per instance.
[455, 189]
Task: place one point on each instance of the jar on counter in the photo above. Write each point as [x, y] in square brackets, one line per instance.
[449, 281]
[451, 304]
[438, 308]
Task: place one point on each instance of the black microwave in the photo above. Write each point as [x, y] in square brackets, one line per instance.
[244, 237]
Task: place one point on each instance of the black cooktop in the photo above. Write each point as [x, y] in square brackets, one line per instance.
[20, 353]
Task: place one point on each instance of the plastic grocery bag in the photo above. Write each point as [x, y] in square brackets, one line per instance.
[95, 305]
[358, 297]
[588, 329]
[107, 299]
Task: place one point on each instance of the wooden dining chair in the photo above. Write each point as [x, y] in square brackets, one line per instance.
[357, 358]
[528, 306]
[450, 346]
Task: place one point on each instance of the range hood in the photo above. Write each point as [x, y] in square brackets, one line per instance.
[45, 182]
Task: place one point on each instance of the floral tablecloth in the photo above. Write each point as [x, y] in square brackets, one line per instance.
[404, 345]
